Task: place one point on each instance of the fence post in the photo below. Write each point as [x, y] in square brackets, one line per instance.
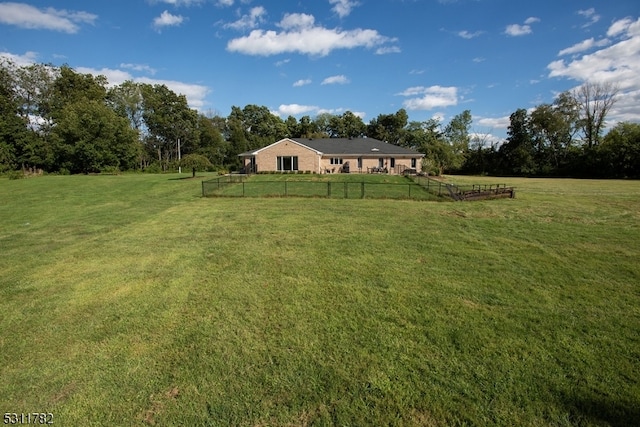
[242, 188]
[285, 188]
[362, 190]
[328, 188]
[346, 190]
[409, 185]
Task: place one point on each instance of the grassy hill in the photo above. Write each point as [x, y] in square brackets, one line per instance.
[131, 300]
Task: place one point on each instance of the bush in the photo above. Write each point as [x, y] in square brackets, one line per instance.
[15, 175]
[110, 170]
[153, 168]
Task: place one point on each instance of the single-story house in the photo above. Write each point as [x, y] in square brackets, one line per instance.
[332, 155]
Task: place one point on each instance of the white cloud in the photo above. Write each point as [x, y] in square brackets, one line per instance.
[343, 7]
[195, 93]
[166, 19]
[516, 30]
[114, 76]
[29, 17]
[626, 108]
[618, 63]
[300, 34]
[225, 3]
[584, 46]
[621, 26]
[295, 109]
[591, 15]
[180, 2]
[302, 82]
[428, 98]
[485, 140]
[388, 49]
[247, 22]
[293, 21]
[335, 80]
[139, 67]
[28, 58]
[493, 123]
[469, 35]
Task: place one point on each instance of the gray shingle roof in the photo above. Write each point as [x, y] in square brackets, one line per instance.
[355, 146]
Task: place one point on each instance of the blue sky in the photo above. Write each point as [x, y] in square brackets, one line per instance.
[435, 58]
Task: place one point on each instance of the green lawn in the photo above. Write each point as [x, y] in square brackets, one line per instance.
[131, 300]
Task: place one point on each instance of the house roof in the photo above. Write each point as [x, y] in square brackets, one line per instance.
[355, 146]
[348, 147]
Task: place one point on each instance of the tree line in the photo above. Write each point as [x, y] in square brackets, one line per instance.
[57, 120]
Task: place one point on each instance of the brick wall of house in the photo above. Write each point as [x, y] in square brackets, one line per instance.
[308, 160]
[368, 164]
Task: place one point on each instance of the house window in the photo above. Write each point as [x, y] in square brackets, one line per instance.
[393, 163]
[336, 161]
[413, 163]
[287, 163]
[381, 163]
[359, 162]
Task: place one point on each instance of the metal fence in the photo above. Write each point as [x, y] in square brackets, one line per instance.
[470, 192]
[419, 188]
[239, 186]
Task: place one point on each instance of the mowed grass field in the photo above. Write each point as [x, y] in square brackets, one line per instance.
[131, 300]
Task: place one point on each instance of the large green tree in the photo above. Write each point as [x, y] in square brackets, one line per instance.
[262, 127]
[211, 144]
[126, 99]
[517, 153]
[456, 134]
[91, 137]
[619, 152]
[172, 125]
[29, 90]
[71, 87]
[426, 137]
[348, 125]
[11, 126]
[35, 88]
[551, 130]
[389, 127]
